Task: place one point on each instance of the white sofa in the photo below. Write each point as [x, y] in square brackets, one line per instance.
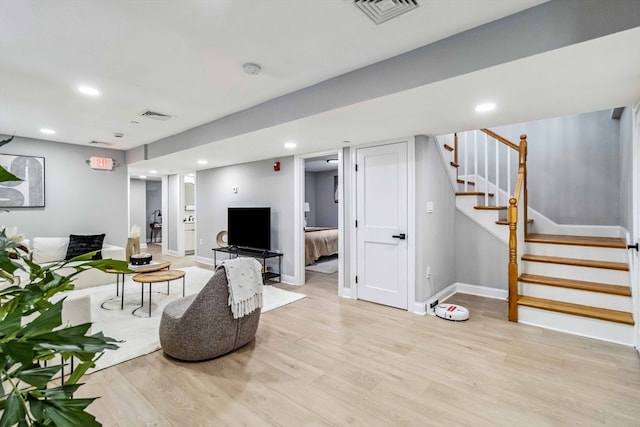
[46, 250]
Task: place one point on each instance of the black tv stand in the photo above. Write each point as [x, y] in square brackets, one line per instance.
[260, 255]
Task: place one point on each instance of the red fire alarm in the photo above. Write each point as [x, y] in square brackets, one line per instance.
[276, 166]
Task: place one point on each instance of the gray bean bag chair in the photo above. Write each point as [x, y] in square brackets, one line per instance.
[201, 327]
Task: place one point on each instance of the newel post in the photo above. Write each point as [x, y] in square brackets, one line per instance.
[512, 218]
[525, 200]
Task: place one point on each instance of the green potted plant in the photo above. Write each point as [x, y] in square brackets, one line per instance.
[34, 345]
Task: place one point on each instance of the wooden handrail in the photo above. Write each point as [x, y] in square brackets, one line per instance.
[502, 139]
[455, 149]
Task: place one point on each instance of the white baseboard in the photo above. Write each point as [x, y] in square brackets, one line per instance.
[174, 253]
[289, 280]
[463, 288]
[204, 260]
[345, 293]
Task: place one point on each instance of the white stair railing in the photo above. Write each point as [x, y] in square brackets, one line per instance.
[484, 158]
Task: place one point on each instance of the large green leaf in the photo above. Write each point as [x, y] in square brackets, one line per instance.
[68, 415]
[22, 352]
[45, 322]
[6, 141]
[38, 377]
[10, 323]
[13, 411]
[5, 175]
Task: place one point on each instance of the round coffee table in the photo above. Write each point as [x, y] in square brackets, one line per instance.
[136, 269]
[157, 277]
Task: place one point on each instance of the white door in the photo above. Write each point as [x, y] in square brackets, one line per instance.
[381, 212]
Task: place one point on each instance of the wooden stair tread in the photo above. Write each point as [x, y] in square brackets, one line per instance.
[576, 262]
[582, 285]
[490, 208]
[472, 193]
[448, 147]
[454, 164]
[577, 309]
[558, 239]
[505, 222]
[462, 181]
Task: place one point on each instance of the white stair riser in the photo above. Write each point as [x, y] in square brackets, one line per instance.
[601, 275]
[578, 325]
[593, 299]
[579, 252]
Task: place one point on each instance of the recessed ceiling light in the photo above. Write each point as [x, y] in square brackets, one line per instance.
[153, 171]
[483, 108]
[290, 145]
[143, 176]
[332, 160]
[88, 90]
[202, 162]
[47, 131]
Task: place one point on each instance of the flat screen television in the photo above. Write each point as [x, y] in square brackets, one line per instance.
[249, 228]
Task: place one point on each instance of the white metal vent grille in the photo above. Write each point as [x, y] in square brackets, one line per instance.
[380, 11]
[101, 144]
[155, 116]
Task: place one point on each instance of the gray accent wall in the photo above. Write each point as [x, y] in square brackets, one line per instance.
[326, 209]
[78, 199]
[435, 246]
[138, 206]
[154, 202]
[480, 258]
[310, 197]
[626, 170]
[170, 218]
[258, 185]
[574, 167]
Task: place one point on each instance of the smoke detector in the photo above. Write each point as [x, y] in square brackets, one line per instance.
[380, 11]
[251, 68]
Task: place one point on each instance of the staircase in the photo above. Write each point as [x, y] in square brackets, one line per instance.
[575, 284]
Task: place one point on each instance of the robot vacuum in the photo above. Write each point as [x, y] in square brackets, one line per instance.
[452, 312]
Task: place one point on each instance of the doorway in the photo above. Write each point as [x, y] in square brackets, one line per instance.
[318, 203]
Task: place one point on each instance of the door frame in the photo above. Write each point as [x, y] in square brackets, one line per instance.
[634, 257]
[412, 304]
[298, 209]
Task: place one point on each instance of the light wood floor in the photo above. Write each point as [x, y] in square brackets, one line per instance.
[325, 360]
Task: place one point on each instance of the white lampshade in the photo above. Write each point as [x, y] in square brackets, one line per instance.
[306, 207]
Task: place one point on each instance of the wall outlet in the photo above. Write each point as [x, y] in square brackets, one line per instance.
[433, 304]
[428, 271]
[200, 241]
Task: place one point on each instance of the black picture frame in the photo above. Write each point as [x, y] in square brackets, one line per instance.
[28, 193]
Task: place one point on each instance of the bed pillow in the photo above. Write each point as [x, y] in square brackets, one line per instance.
[80, 245]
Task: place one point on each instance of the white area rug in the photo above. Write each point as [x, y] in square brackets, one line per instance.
[327, 266]
[140, 334]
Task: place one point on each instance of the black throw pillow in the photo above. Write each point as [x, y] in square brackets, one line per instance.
[80, 245]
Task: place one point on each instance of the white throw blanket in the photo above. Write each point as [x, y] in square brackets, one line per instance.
[245, 285]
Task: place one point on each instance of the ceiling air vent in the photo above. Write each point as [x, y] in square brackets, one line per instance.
[380, 11]
[155, 116]
[101, 144]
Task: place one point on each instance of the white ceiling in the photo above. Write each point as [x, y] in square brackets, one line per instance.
[185, 59]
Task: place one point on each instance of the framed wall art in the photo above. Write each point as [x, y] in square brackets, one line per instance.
[28, 193]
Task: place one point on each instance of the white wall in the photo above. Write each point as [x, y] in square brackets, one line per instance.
[626, 170]
[78, 199]
[258, 185]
